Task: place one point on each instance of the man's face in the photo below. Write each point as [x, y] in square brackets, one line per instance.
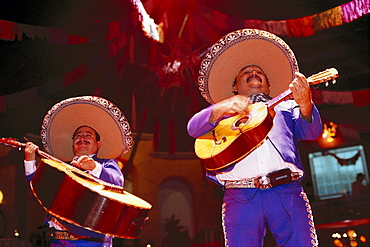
[251, 80]
[84, 141]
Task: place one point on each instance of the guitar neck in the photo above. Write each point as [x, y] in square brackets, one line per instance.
[48, 156]
[16, 144]
[11, 142]
[321, 77]
[281, 97]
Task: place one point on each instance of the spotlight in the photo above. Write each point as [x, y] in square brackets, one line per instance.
[329, 131]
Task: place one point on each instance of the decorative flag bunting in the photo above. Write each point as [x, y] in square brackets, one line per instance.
[9, 31]
[346, 162]
[359, 98]
[355, 9]
[327, 19]
[299, 27]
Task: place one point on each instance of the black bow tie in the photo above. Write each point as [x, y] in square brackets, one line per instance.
[259, 98]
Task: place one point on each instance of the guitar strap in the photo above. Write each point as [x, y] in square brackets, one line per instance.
[260, 98]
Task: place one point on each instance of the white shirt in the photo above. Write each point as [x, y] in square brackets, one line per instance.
[263, 160]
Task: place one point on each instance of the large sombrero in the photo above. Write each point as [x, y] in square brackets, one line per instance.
[236, 49]
[102, 115]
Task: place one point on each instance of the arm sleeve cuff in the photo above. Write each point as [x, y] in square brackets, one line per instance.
[29, 167]
[97, 170]
[306, 118]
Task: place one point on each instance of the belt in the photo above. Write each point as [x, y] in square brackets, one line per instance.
[267, 181]
[64, 235]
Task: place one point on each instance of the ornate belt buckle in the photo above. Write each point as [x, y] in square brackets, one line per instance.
[262, 182]
[265, 186]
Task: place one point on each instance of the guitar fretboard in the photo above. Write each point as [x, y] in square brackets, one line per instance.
[281, 97]
[324, 76]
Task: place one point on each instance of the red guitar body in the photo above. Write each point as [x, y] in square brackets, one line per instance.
[78, 198]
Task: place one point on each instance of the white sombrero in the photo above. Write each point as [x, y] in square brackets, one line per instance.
[236, 49]
[102, 115]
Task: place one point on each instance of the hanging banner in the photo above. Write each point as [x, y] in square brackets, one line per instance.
[359, 98]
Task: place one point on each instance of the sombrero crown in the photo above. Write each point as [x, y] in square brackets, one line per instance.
[236, 49]
[102, 115]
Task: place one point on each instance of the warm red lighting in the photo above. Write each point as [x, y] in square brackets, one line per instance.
[330, 131]
[351, 233]
[348, 238]
[362, 239]
[353, 243]
[337, 243]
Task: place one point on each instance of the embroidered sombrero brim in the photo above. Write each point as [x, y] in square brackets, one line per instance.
[102, 115]
[236, 49]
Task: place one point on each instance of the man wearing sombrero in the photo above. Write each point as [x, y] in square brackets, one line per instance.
[78, 130]
[262, 188]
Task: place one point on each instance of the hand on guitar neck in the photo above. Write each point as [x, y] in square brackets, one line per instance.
[302, 94]
[30, 151]
[84, 162]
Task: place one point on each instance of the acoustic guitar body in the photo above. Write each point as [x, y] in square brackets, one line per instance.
[82, 200]
[78, 198]
[234, 138]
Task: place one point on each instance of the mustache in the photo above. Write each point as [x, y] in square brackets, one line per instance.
[81, 141]
[254, 77]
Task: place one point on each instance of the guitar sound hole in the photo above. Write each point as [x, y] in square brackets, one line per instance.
[241, 122]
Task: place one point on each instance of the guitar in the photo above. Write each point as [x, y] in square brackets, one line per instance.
[235, 137]
[78, 198]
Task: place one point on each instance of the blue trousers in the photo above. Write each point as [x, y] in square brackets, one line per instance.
[79, 243]
[284, 209]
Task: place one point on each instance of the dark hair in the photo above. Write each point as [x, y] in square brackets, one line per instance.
[360, 175]
[96, 133]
